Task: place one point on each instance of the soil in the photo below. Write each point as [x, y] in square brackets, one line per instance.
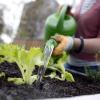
[50, 88]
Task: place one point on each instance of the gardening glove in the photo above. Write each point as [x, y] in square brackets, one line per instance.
[65, 43]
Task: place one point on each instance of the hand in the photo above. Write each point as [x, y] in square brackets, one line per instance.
[64, 43]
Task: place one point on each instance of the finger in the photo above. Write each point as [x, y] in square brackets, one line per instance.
[57, 52]
[54, 35]
[58, 38]
[62, 44]
[59, 49]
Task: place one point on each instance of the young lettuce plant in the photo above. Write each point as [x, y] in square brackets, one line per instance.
[25, 59]
[59, 67]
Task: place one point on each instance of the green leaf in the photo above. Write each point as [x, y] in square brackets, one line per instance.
[33, 79]
[27, 61]
[69, 77]
[52, 75]
[17, 81]
[2, 74]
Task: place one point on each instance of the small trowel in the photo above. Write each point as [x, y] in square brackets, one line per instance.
[50, 45]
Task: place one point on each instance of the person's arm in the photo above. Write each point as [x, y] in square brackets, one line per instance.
[90, 45]
[72, 44]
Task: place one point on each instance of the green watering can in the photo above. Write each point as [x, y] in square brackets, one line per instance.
[59, 23]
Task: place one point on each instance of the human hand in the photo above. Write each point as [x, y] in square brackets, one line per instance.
[64, 43]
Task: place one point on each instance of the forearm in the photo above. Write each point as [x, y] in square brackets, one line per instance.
[90, 45]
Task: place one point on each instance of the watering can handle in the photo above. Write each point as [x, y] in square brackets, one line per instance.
[64, 10]
[62, 14]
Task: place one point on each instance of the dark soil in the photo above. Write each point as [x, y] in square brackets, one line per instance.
[51, 88]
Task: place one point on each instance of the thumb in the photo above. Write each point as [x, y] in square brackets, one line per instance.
[58, 38]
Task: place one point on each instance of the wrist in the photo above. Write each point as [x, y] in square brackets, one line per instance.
[69, 44]
[78, 45]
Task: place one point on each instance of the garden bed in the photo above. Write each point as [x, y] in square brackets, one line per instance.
[52, 88]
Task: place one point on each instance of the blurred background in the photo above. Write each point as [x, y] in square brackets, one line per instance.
[22, 21]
